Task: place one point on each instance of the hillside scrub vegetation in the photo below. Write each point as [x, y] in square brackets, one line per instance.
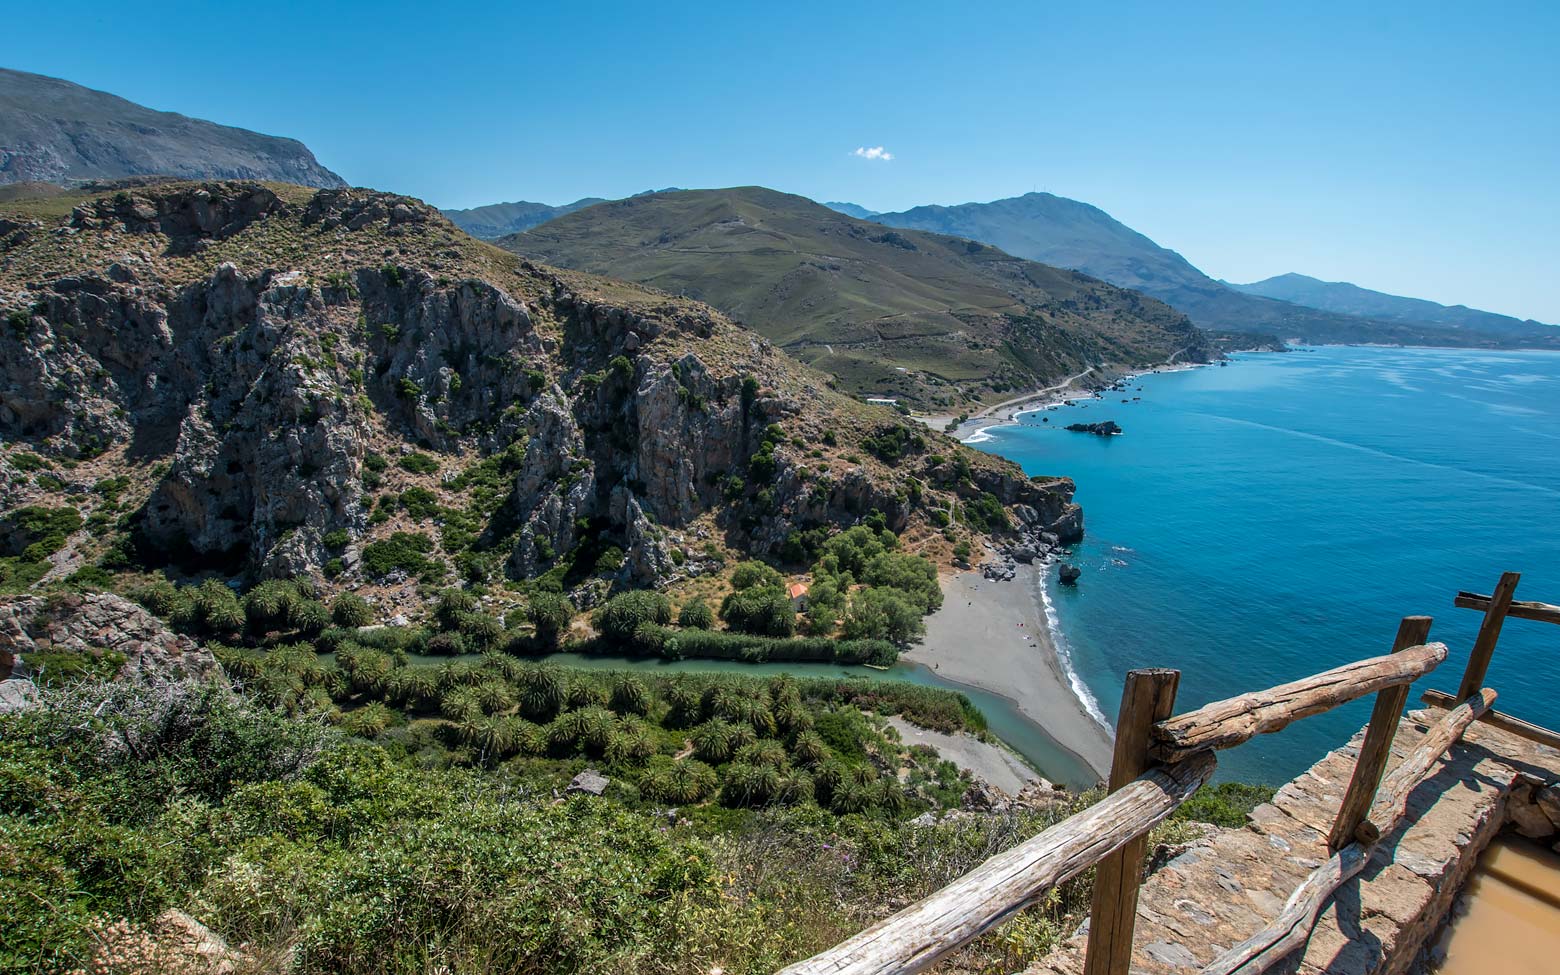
[312, 850]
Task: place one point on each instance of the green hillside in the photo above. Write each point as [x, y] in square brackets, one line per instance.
[933, 319]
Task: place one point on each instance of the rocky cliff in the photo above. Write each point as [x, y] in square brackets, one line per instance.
[275, 380]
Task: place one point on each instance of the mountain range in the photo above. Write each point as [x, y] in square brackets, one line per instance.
[501, 219]
[1351, 299]
[54, 131]
[1067, 233]
[929, 318]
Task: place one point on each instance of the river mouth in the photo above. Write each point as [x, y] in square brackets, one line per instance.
[1508, 915]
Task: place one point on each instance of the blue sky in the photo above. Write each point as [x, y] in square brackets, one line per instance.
[1413, 148]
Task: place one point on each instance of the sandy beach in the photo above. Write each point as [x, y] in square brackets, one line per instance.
[994, 763]
[993, 636]
[1005, 411]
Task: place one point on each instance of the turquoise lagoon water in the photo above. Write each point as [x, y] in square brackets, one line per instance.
[1267, 520]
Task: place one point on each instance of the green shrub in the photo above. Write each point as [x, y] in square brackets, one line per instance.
[37, 532]
[626, 612]
[351, 610]
[1226, 804]
[336, 539]
[407, 551]
[418, 463]
[696, 615]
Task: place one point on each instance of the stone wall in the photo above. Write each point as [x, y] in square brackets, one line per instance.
[1226, 888]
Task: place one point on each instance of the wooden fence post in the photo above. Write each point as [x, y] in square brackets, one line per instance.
[1149, 696]
[1377, 746]
[1489, 632]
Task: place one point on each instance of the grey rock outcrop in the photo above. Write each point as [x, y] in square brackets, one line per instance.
[94, 623]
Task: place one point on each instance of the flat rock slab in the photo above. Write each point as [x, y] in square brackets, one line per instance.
[1232, 884]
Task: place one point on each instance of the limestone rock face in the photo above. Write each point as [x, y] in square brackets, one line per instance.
[554, 487]
[449, 358]
[91, 623]
[269, 460]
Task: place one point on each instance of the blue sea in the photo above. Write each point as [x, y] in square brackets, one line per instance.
[1263, 521]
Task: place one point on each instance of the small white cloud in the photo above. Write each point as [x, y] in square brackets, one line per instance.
[872, 152]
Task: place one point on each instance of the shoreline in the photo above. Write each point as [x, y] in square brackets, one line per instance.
[1051, 694]
[994, 763]
[996, 637]
[974, 428]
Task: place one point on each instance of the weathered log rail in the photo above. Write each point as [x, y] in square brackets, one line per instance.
[1160, 760]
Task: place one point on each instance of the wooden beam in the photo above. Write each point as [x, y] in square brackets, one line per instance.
[1224, 724]
[1149, 696]
[930, 928]
[1293, 925]
[1489, 635]
[1390, 802]
[1377, 746]
[1519, 609]
[1508, 723]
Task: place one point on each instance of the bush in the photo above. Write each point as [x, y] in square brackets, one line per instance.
[1226, 804]
[986, 514]
[696, 615]
[351, 610]
[625, 613]
[720, 645]
[407, 551]
[37, 532]
[419, 502]
[418, 463]
[336, 539]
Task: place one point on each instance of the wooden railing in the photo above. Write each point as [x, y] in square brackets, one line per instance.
[1160, 760]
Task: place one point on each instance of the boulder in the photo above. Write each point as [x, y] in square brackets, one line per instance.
[96, 623]
[1069, 573]
[590, 782]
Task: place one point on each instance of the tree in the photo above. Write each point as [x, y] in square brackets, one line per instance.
[697, 615]
[882, 614]
[760, 610]
[751, 573]
[550, 613]
[825, 603]
[626, 612]
[913, 576]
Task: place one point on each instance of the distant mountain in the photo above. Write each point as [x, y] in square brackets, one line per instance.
[501, 219]
[53, 131]
[852, 210]
[930, 318]
[498, 219]
[1067, 233]
[1350, 299]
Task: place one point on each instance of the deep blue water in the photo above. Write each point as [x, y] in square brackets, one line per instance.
[1263, 521]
